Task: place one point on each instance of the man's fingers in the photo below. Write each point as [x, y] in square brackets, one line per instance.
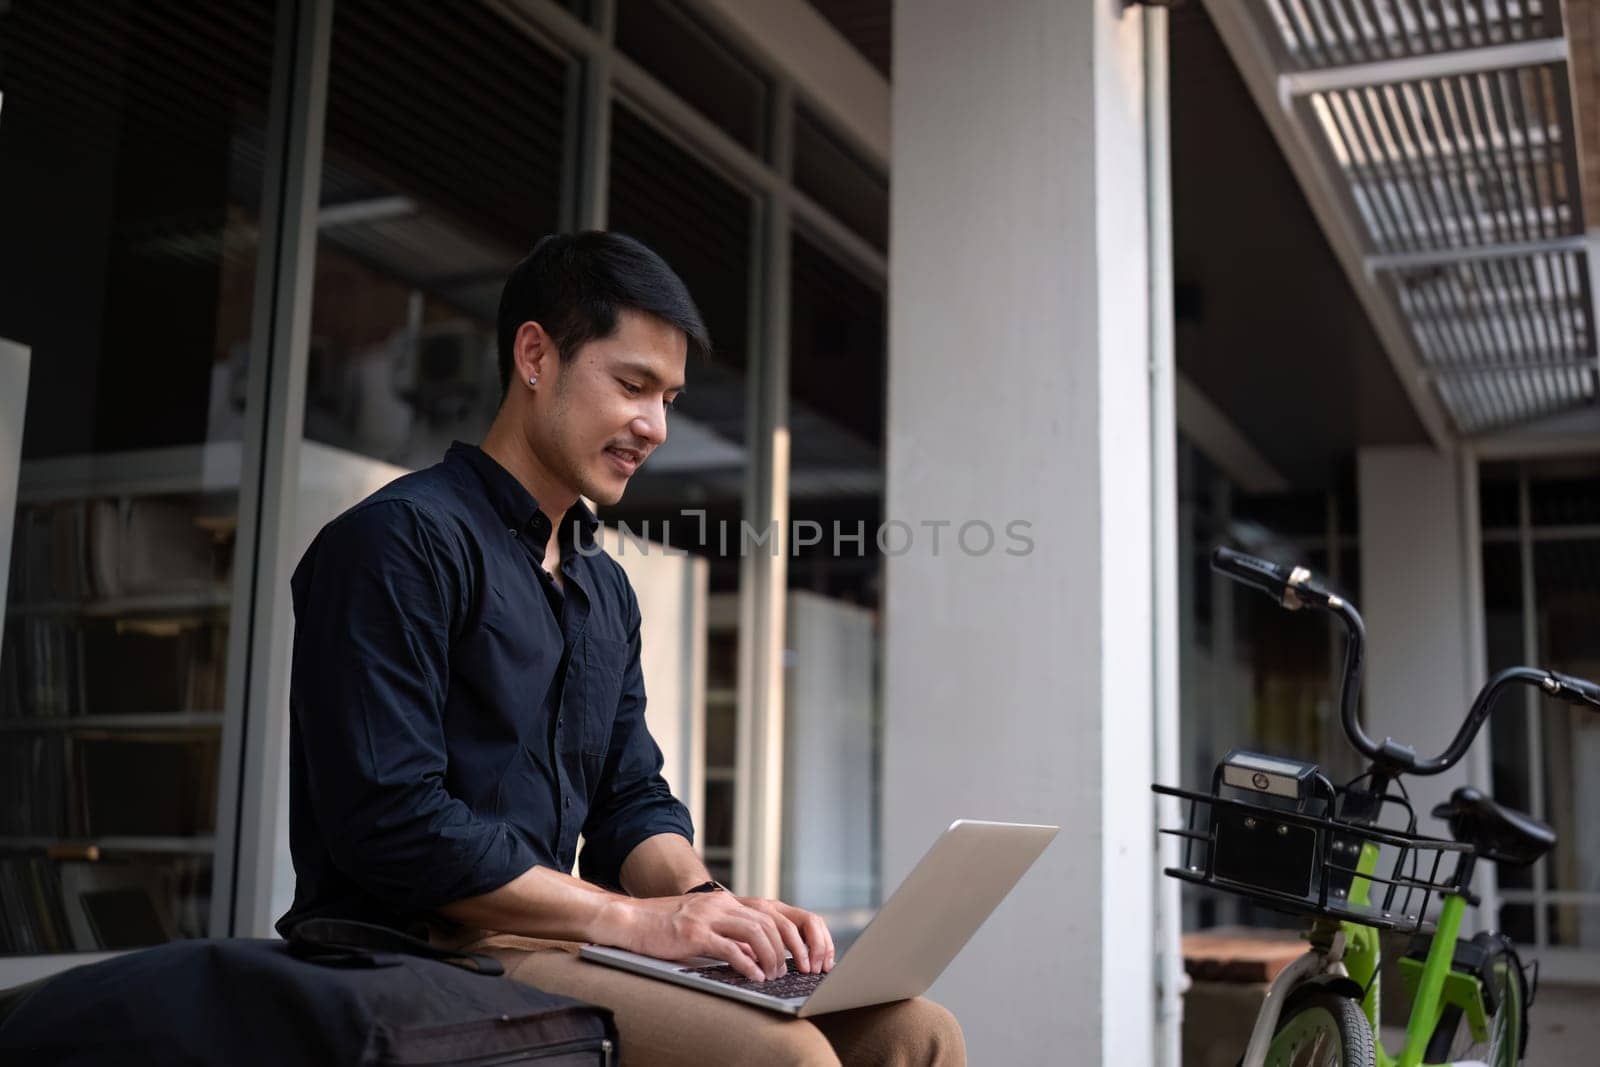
[796, 942]
[747, 927]
[735, 954]
[769, 929]
[819, 941]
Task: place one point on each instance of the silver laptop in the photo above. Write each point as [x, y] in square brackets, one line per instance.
[908, 944]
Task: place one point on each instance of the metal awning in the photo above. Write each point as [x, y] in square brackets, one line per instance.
[1435, 140]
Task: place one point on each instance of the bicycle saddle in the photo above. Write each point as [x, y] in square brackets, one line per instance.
[1502, 834]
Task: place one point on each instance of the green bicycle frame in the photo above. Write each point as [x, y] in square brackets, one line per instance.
[1363, 956]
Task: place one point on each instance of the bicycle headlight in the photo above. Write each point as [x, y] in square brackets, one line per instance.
[1269, 775]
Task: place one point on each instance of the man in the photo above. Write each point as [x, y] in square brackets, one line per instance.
[467, 699]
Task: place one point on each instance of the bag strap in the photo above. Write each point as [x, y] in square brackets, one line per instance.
[350, 942]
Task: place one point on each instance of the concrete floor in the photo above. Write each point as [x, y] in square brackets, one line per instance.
[1565, 1025]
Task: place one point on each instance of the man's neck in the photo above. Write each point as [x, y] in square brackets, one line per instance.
[507, 447]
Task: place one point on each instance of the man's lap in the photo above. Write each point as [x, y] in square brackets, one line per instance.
[660, 1023]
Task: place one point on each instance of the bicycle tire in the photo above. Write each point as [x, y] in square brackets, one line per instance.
[1508, 1027]
[1319, 1028]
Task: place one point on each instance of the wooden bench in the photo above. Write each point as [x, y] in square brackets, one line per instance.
[1230, 968]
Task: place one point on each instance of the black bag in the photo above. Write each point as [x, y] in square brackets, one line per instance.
[336, 993]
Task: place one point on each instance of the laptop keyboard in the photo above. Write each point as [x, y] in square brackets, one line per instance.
[794, 984]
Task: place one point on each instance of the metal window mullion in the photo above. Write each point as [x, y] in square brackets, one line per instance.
[758, 805]
[593, 163]
[1480, 762]
[687, 127]
[1531, 699]
[262, 620]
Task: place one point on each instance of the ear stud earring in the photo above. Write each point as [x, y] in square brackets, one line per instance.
[533, 379]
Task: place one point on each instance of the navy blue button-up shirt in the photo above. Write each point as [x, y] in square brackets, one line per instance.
[455, 721]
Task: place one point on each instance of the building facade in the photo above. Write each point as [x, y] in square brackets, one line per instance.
[929, 537]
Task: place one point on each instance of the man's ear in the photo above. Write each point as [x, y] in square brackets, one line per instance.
[533, 351]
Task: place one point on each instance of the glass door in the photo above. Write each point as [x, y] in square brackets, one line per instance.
[1541, 558]
[131, 163]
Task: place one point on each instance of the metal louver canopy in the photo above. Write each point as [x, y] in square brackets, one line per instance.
[1445, 130]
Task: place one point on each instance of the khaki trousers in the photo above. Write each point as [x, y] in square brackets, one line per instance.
[664, 1025]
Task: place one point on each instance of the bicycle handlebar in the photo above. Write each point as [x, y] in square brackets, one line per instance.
[1292, 588]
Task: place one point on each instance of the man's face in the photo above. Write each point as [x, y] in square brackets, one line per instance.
[606, 406]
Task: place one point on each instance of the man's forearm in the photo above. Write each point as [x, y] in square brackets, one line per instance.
[540, 902]
[662, 866]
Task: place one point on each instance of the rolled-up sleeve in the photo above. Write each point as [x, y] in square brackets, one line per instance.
[633, 801]
[374, 604]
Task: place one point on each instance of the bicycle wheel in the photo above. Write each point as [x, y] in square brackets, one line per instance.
[1321, 1029]
[1508, 1026]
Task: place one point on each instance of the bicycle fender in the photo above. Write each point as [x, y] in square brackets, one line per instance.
[1341, 984]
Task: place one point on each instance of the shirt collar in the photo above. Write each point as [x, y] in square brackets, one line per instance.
[513, 502]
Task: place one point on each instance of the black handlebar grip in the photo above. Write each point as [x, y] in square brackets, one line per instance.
[1577, 690]
[1271, 578]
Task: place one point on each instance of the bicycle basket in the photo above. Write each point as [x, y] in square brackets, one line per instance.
[1306, 863]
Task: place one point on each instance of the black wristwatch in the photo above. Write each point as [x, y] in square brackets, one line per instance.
[712, 886]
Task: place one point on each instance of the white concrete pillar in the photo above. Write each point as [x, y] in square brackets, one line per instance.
[1417, 582]
[1019, 686]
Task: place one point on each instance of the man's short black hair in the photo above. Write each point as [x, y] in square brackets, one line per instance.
[574, 284]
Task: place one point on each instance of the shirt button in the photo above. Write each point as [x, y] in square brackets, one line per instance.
[567, 803]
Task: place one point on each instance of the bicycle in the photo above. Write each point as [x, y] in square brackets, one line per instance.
[1279, 832]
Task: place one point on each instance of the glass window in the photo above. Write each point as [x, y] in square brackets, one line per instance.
[704, 228]
[1252, 676]
[442, 168]
[1564, 494]
[1566, 576]
[833, 712]
[1543, 750]
[668, 41]
[1497, 496]
[838, 179]
[131, 164]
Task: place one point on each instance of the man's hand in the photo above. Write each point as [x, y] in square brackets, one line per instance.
[805, 934]
[750, 935]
